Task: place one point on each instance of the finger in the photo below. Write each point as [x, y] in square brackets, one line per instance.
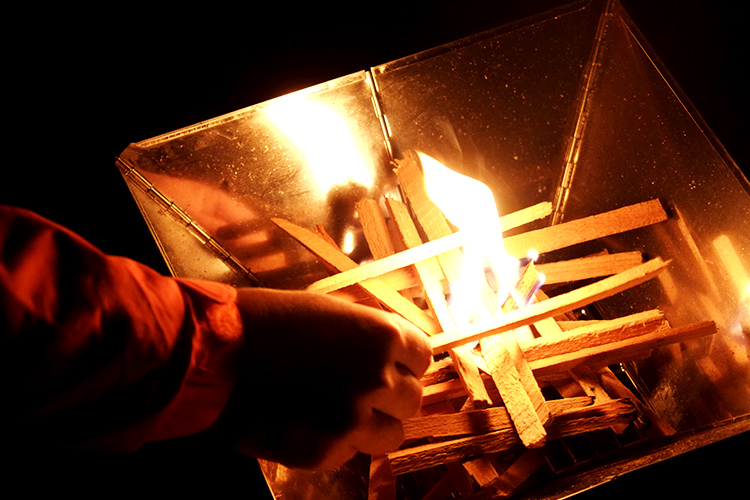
[375, 433]
[400, 396]
[379, 433]
[413, 351]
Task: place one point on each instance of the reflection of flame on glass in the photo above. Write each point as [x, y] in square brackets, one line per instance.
[738, 274]
[744, 314]
[470, 205]
[323, 137]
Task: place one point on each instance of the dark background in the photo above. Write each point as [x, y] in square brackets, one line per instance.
[81, 84]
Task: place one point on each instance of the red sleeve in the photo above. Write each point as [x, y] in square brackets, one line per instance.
[102, 352]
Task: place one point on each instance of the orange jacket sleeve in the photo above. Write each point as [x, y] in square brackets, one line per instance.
[101, 352]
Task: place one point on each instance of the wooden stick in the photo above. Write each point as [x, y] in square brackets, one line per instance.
[548, 308]
[378, 237]
[512, 375]
[525, 415]
[575, 386]
[351, 293]
[516, 474]
[525, 216]
[585, 377]
[632, 348]
[612, 384]
[432, 394]
[577, 421]
[588, 381]
[586, 229]
[472, 422]
[589, 267]
[375, 228]
[567, 235]
[597, 334]
[426, 213]
[434, 223]
[382, 483]
[435, 226]
[376, 268]
[411, 180]
[457, 475]
[430, 273]
[581, 379]
[381, 244]
[438, 371]
[389, 297]
[548, 366]
[482, 470]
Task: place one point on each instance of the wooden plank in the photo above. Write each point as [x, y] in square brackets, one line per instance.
[549, 366]
[628, 349]
[389, 297]
[525, 216]
[375, 228]
[399, 260]
[548, 308]
[511, 373]
[434, 223]
[584, 268]
[587, 419]
[477, 421]
[430, 274]
[453, 241]
[597, 334]
[586, 229]
[519, 248]
[516, 474]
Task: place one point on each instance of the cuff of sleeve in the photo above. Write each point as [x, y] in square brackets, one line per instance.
[217, 343]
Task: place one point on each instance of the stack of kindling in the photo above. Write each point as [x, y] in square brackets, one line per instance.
[501, 389]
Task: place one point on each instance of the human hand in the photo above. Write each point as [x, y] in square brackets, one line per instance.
[322, 379]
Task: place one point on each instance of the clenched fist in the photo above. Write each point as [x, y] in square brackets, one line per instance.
[322, 379]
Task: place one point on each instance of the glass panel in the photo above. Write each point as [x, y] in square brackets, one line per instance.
[307, 157]
[641, 142]
[499, 107]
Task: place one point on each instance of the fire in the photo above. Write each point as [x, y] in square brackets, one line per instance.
[470, 205]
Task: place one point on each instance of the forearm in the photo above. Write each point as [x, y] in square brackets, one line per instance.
[102, 352]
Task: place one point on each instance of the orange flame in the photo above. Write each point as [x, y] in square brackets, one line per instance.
[470, 205]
